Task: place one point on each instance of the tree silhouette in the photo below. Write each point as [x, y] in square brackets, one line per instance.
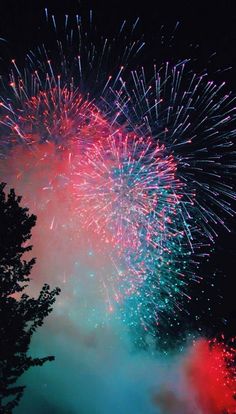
[20, 315]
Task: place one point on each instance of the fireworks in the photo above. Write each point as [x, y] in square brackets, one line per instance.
[130, 172]
[141, 169]
[57, 114]
[128, 186]
[195, 119]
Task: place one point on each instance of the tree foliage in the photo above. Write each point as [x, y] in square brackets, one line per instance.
[20, 314]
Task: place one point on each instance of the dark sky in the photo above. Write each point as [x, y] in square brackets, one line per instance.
[211, 24]
[205, 28]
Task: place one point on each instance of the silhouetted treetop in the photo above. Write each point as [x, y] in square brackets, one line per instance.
[20, 314]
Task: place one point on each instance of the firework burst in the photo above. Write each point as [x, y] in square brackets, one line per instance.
[195, 119]
[143, 166]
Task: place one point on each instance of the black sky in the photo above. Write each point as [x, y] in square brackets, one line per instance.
[211, 24]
